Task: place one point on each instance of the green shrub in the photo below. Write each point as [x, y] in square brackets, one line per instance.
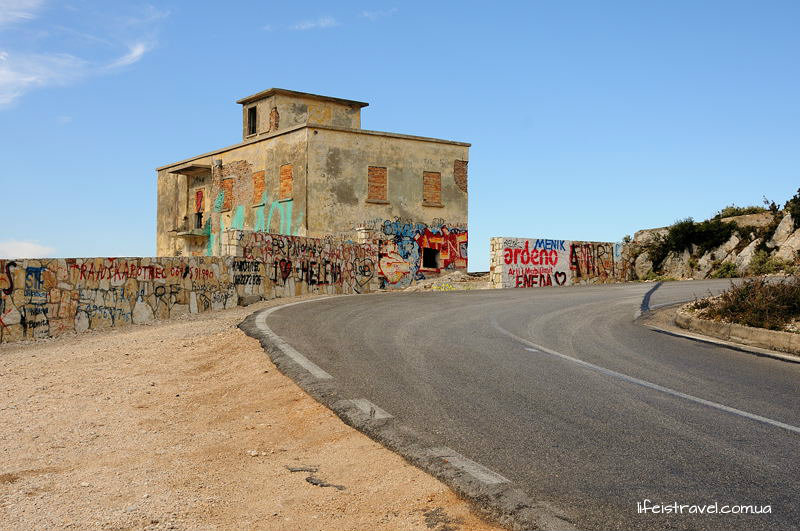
[733, 210]
[759, 302]
[792, 206]
[726, 270]
[764, 264]
[684, 233]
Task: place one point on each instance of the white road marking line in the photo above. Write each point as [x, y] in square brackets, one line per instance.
[647, 384]
[370, 409]
[286, 348]
[478, 471]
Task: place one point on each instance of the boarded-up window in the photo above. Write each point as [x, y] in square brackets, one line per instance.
[431, 188]
[199, 202]
[460, 174]
[274, 119]
[227, 190]
[286, 186]
[376, 184]
[258, 188]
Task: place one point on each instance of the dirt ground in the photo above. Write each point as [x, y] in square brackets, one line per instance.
[186, 424]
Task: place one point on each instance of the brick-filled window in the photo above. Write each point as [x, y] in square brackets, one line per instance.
[431, 188]
[377, 185]
[286, 185]
[227, 190]
[259, 185]
[460, 174]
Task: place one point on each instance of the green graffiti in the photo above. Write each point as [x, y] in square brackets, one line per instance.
[259, 224]
[210, 234]
[284, 210]
[219, 201]
[238, 218]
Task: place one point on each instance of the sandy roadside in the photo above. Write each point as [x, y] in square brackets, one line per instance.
[186, 424]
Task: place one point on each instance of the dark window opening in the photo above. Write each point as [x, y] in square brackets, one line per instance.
[198, 220]
[430, 258]
[251, 121]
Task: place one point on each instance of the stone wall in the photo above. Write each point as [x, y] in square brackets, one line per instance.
[47, 297]
[530, 263]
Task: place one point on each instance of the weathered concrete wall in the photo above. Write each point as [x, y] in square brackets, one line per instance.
[403, 224]
[530, 263]
[48, 297]
[338, 163]
[281, 111]
[250, 201]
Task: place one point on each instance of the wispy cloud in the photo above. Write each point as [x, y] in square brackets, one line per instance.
[16, 10]
[17, 249]
[321, 22]
[374, 15]
[135, 52]
[20, 73]
[136, 26]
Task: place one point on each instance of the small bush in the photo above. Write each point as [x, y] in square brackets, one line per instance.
[733, 210]
[684, 233]
[758, 302]
[792, 206]
[726, 270]
[764, 264]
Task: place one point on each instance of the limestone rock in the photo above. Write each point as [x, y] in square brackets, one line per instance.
[704, 266]
[782, 233]
[81, 322]
[742, 261]
[788, 249]
[727, 248]
[677, 265]
[142, 313]
[643, 266]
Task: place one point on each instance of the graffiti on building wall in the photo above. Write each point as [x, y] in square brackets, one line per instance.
[402, 245]
[243, 202]
[528, 263]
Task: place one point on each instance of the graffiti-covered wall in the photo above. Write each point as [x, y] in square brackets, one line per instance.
[401, 249]
[296, 265]
[530, 263]
[48, 297]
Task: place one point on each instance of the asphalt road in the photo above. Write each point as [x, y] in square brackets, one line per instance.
[570, 421]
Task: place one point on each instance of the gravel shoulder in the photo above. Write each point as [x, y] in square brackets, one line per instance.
[187, 424]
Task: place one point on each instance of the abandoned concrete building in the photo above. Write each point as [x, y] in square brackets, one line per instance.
[305, 167]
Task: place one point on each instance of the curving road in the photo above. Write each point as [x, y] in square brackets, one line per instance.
[561, 392]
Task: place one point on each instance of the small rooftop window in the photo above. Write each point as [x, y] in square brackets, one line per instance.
[252, 118]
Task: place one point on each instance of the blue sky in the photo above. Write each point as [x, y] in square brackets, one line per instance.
[589, 120]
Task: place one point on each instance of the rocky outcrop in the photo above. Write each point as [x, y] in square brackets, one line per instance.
[677, 265]
[789, 248]
[643, 266]
[744, 258]
[741, 248]
[704, 266]
[728, 249]
[782, 233]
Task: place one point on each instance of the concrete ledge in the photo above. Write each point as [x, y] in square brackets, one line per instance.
[746, 335]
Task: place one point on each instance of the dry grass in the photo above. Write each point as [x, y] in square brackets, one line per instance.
[756, 302]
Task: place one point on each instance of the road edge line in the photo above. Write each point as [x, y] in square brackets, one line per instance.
[502, 503]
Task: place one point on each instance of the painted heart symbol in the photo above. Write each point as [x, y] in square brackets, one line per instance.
[365, 270]
[286, 268]
[560, 277]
